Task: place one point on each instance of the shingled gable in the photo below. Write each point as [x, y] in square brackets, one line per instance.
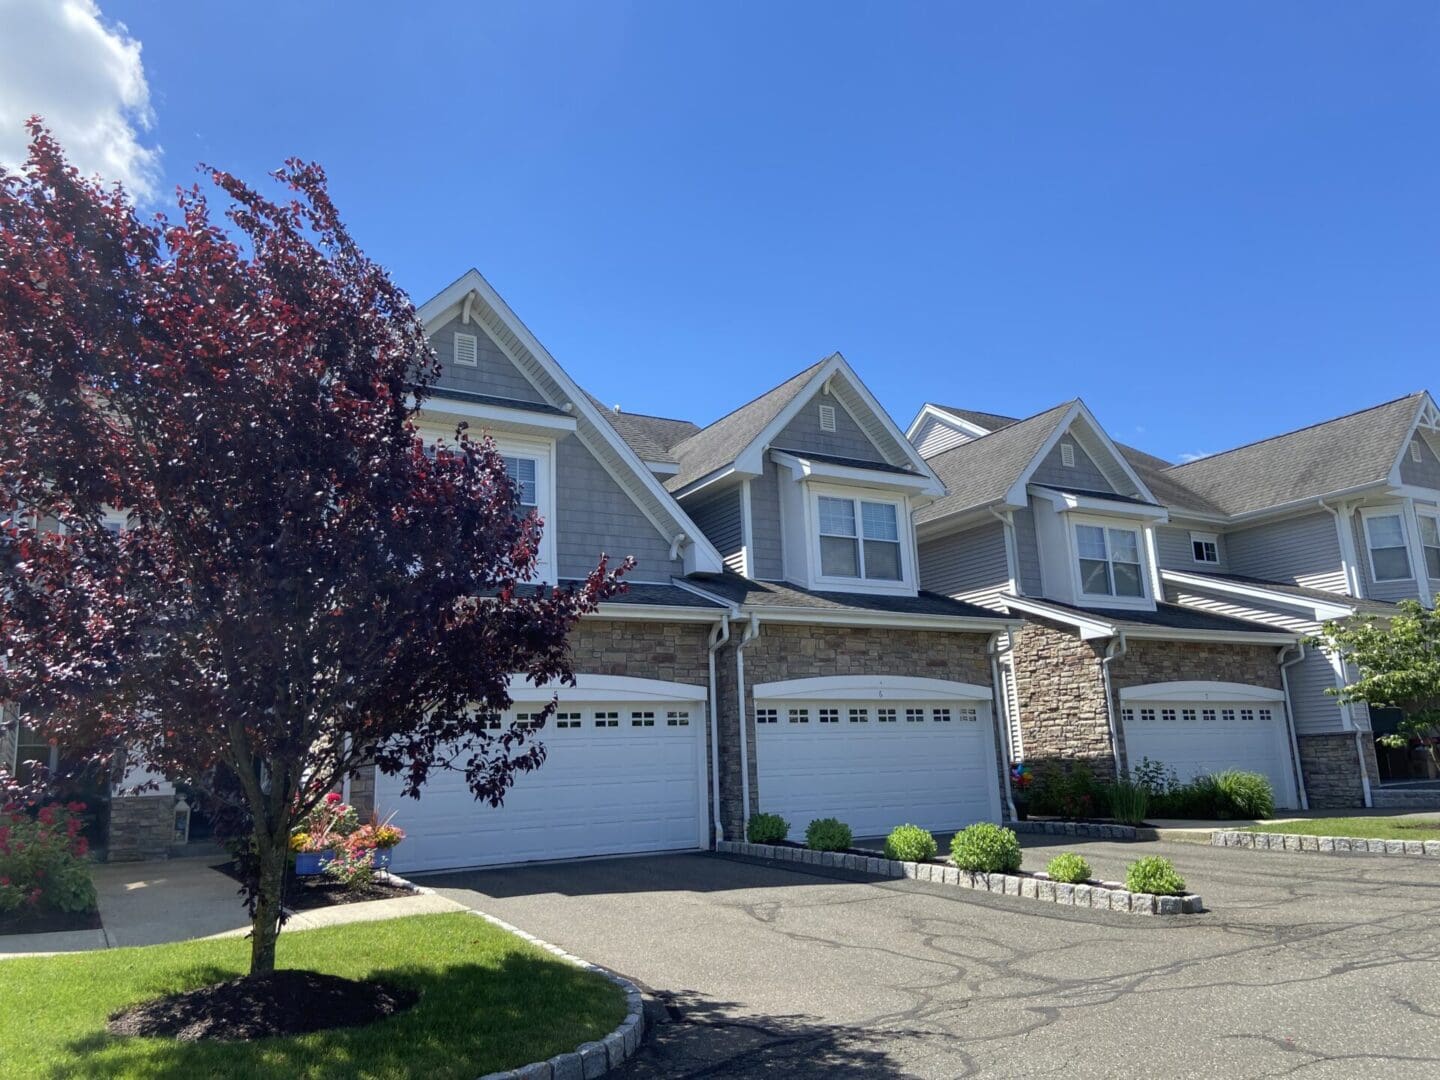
[739, 439]
[476, 300]
[1347, 454]
[993, 469]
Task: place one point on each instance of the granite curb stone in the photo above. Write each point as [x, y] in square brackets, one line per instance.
[1323, 845]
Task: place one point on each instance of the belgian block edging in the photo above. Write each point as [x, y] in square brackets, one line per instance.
[1074, 828]
[1328, 845]
[589, 1059]
[1098, 896]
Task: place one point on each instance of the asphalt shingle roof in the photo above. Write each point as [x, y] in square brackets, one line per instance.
[651, 437]
[1348, 452]
[1169, 617]
[643, 593]
[1362, 606]
[450, 394]
[982, 470]
[744, 591]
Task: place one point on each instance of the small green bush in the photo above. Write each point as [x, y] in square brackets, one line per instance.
[1070, 793]
[1129, 802]
[827, 834]
[910, 843]
[986, 848]
[767, 829]
[1154, 874]
[1069, 868]
[1244, 794]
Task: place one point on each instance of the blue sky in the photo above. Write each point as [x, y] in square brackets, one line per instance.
[1213, 222]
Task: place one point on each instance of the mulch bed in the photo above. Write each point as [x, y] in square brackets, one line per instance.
[32, 921]
[285, 1002]
[308, 893]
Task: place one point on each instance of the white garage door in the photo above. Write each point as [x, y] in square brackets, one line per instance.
[876, 753]
[624, 773]
[1197, 728]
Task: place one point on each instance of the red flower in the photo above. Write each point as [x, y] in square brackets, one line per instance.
[333, 798]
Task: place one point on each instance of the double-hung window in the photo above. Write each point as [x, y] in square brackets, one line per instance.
[859, 539]
[1109, 561]
[524, 474]
[1430, 541]
[1389, 554]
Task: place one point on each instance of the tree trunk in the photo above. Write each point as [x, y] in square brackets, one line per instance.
[265, 927]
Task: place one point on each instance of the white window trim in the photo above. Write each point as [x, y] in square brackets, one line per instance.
[543, 450]
[906, 584]
[1433, 515]
[1213, 539]
[1366, 514]
[1146, 600]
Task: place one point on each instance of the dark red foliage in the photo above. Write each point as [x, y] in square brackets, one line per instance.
[297, 582]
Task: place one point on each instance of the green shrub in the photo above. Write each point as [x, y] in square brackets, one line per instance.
[42, 861]
[1069, 793]
[1244, 794]
[827, 834]
[767, 829]
[1069, 868]
[1154, 874]
[910, 843]
[986, 848]
[1129, 802]
[1200, 798]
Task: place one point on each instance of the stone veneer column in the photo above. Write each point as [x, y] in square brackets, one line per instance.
[1332, 769]
[1061, 695]
[141, 827]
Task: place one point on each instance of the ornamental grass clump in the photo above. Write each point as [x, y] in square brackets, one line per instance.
[827, 834]
[767, 829]
[1129, 802]
[1154, 874]
[1069, 868]
[986, 848]
[910, 843]
[1244, 794]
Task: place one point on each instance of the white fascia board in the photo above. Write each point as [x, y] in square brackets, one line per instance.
[931, 411]
[1200, 691]
[1077, 410]
[869, 688]
[808, 468]
[710, 479]
[663, 468]
[1412, 491]
[605, 688]
[893, 619]
[1321, 609]
[1069, 502]
[1115, 453]
[700, 551]
[499, 416]
[659, 613]
[968, 518]
[1091, 628]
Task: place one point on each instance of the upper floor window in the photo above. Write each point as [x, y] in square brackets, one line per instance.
[1109, 561]
[1389, 554]
[1205, 547]
[1430, 541]
[859, 539]
[524, 473]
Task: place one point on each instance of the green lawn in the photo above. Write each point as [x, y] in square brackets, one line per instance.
[489, 1001]
[1373, 828]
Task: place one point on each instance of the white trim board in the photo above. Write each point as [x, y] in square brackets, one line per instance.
[1200, 690]
[870, 688]
[606, 688]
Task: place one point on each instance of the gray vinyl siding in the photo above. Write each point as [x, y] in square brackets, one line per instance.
[1304, 550]
[1382, 590]
[1316, 712]
[493, 374]
[1027, 553]
[596, 516]
[847, 440]
[1173, 547]
[936, 436]
[719, 518]
[765, 531]
[1084, 474]
[971, 565]
[1423, 473]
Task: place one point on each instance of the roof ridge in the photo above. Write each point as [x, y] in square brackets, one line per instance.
[1294, 431]
[999, 431]
[758, 397]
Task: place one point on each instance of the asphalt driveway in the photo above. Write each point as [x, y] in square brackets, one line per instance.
[1307, 966]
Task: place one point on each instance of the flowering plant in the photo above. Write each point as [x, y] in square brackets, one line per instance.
[42, 860]
[327, 826]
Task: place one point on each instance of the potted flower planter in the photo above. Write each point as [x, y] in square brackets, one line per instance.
[310, 863]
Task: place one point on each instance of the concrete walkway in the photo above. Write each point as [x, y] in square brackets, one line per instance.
[149, 903]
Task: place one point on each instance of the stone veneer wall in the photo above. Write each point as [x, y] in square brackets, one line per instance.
[1332, 769]
[674, 652]
[797, 651]
[141, 827]
[1061, 696]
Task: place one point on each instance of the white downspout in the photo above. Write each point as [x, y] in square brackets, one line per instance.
[1002, 714]
[752, 631]
[1364, 772]
[718, 637]
[1113, 651]
[1285, 666]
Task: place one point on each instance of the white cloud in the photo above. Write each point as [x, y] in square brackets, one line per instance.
[61, 60]
[1189, 457]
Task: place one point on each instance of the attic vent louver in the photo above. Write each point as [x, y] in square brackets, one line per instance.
[467, 351]
[1415, 453]
[1067, 455]
[827, 417]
